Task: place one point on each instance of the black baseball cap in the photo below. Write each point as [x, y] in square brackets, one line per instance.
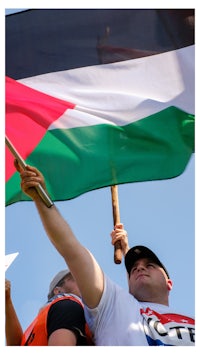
[139, 252]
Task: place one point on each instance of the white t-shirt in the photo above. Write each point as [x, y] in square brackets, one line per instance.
[120, 319]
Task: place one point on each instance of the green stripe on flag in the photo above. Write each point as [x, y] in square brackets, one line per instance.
[78, 160]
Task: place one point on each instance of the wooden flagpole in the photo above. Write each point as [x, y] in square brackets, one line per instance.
[116, 220]
[39, 188]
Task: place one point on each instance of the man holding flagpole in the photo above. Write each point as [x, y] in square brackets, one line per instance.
[140, 317]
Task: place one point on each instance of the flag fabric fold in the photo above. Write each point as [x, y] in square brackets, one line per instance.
[99, 125]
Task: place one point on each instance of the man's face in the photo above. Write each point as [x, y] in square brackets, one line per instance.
[67, 285]
[148, 282]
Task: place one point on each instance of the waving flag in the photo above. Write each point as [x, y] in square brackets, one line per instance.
[99, 97]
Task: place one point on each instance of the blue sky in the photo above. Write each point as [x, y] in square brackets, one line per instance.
[158, 214]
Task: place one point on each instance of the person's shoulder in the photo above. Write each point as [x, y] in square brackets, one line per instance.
[114, 292]
[66, 309]
[66, 302]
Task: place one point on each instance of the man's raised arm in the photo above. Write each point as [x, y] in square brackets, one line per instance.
[81, 262]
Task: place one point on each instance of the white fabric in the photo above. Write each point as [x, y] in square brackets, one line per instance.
[118, 321]
[124, 92]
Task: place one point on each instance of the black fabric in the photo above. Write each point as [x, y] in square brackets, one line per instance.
[49, 40]
[67, 314]
[139, 252]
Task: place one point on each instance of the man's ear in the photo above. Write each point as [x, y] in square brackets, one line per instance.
[169, 284]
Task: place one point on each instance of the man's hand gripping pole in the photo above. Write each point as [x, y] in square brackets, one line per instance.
[116, 220]
[22, 163]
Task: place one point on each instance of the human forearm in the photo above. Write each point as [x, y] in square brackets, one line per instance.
[82, 264]
[58, 230]
[13, 327]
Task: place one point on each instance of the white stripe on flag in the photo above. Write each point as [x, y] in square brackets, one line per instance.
[123, 92]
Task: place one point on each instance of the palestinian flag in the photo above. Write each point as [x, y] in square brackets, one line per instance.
[98, 97]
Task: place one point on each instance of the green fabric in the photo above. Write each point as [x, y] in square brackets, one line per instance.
[78, 160]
